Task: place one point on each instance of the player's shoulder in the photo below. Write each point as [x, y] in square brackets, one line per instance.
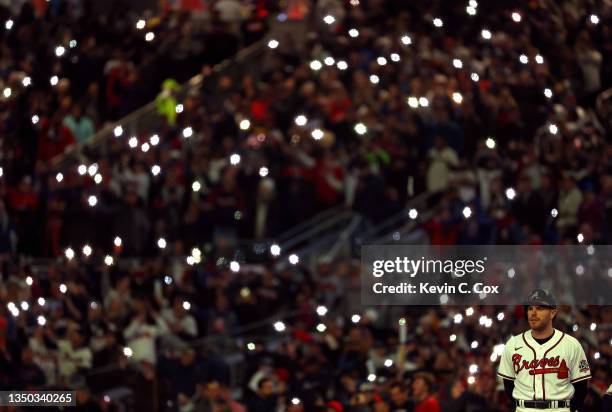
[568, 339]
[515, 338]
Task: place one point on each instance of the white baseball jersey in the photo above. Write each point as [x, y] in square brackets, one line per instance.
[543, 372]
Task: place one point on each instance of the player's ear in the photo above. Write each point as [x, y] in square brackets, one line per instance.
[554, 313]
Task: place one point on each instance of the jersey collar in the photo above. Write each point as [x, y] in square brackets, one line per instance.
[535, 345]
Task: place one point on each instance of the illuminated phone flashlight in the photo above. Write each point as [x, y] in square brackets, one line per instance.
[294, 259]
[161, 243]
[413, 214]
[234, 266]
[381, 61]
[395, 57]
[127, 351]
[374, 79]
[413, 102]
[355, 318]
[470, 10]
[469, 311]
[438, 22]
[423, 102]
[321, 328]
[371, 377]
[179, 108]
[140, 24]
[317, 134]
[133, 142]
[69, 253]
[594, 19]
[186, 305]
[471, 380]
[474, 344]
[275, 250]
[510, 193]
[301, 120]
[457, 98]
[63, 288]
[92, 200]
[548, 93]
[516, 17]
[321, 310]
[467, 212]
[361, 129]
[295, 401]
[150, 36]
[329, 61]
[473, 368]
[342, 65]
[500, 316]
[235, 159]
[329, 19]
[59, 51]
[486, 34]
[273, 44]
[457, 63]
[458, 318]
[35, 119]
[353, 33]
[41, 320]
[108, 260]
[155, 170]
[87, 250]
[388, 363]
[245, 124]
[27, 81]
[316, 65]
[452, 337]
[406, 40]
[118, 131]
[524, 59]
[41, 301]
[279, 326]
[188, 132]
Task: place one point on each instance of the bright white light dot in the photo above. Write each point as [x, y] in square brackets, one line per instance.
[471, 380]
[594, 19]
[63, 288]
[301, 120]
[27, 81]
[279, 326]
[54, 80]
[295, 401]
[388, 363]
[510, 193]
[316, 65]
[133, 142]
[41, 320]
[25, 306]
[371, 377]
[457, 63]
[140, 24]
[92, 200]
[317, 134]
[191, 260]
[413, 213]
[7, 92]
[539, 59]
[355, 318]
[474, 345]
[59, 177]
[452, 337]
[413, 102]
[579, 270]
[196, 252]
[361, 129]
[473, 3]
[41, 301]
[235, 159]
[161, 243]
[127, 351]
[516, 17]
[500, 316]
[374, 79]
[29, 281]
[406, 40]
[490, 143]
[554, 212]
[548, 93]
[59, 51]
[590, 250]
[423, 102]
[596, 355]
[467, 212]
[275, 250]
[329, 61]
[486, 34]
[523, 59]
[117, 241]
[35, 119]
[245, 124]
[92, 169]
[251, 346]
[321, 310]
[575, 328]
[168, 280]
[98, 178]
[470, 10]
[234, 266]
[186, 305]
[438, 22]
[511, 273]
[263, 171]
[179, 108]
[457, 98]
[273, 44]
[188, 132]
[395, 57]
[553, 129]
[72, 43]
[150, 36]
[342, 65]
[353, 33]
[9, 24]
[469, 311]
[381, 61]
[154, 140]
[321, 328]
[118, 131]
[580, 238]
[329, 19]
[294, 259]
[458, 318]
[593, 326]
[108, 260]
[473, 368]
[87, 250]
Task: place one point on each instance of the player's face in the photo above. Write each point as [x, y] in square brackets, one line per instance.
[540, 317]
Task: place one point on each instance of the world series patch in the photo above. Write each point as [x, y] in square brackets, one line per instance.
[583, 365]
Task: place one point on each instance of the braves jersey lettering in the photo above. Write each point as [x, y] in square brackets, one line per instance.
[543, 372]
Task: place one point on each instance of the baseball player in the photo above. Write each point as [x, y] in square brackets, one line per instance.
[544, 368]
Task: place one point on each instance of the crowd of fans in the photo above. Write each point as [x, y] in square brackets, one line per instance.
[485, 106]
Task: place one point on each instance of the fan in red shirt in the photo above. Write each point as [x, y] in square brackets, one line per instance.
[422, 388]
